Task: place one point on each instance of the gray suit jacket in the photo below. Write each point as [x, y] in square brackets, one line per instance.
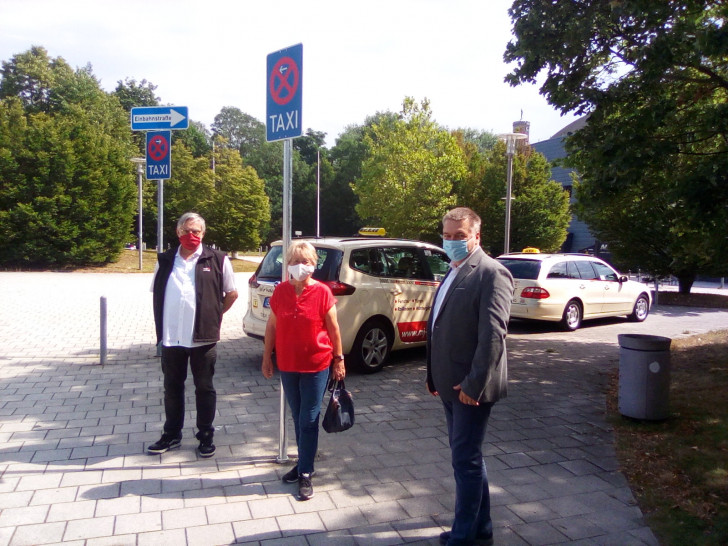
[466, 343]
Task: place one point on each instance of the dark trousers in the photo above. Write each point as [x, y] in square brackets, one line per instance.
[466, 431]
[174, 366]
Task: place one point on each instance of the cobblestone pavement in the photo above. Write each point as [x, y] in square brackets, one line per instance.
[73, 432]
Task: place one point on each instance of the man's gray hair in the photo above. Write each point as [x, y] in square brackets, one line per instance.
[464, 213]
[187, 216]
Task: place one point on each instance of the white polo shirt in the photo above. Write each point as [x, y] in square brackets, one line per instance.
[180, 302]
[445, 286]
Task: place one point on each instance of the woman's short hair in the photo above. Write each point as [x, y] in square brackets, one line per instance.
[464, 213]
[304, 249]
[187, 216]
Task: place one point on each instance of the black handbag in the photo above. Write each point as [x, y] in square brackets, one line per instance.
[339, 414]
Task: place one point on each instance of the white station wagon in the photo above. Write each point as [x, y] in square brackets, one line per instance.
[384, 288]
[572, 287]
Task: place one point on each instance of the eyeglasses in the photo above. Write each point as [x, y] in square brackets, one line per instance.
[192, 231]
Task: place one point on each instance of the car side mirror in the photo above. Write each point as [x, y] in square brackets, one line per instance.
[623, 278]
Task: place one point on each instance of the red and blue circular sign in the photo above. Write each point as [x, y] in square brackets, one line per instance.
[283, 85]
[158, 147]
[284, 80]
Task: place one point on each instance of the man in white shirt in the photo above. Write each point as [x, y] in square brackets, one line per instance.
[193, 286]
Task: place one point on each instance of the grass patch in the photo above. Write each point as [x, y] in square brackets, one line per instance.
[129, 263]
[678, 468]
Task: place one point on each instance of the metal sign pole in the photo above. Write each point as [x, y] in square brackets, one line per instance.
[160, 216]
[509, 192]
[287, 206]
[139, 239]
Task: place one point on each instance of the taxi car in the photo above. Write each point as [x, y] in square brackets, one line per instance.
[384, 289]
[570, 288]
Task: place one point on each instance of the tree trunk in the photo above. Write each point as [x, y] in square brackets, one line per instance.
[685, 282]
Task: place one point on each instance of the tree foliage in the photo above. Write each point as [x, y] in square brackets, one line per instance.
[239, 130]
[407, 179]
[66, 185]
[539, 208]
[239, 210]
[654, 156]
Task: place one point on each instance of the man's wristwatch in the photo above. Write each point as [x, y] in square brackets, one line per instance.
[338, 357]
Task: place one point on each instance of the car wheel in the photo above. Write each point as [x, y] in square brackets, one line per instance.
[641, 309]
[572, 316]
[371, 347]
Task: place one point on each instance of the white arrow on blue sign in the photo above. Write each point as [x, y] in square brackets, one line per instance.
[155, 118]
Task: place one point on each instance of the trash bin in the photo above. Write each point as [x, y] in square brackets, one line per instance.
[644, 376]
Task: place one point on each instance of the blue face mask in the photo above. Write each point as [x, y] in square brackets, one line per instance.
[455, 250]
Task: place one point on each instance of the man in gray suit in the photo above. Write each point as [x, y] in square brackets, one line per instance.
[466, 365]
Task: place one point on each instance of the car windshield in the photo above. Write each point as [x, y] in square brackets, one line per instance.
[522, 269]
[327, 265]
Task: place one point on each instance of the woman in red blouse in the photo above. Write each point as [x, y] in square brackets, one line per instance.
[303, 329]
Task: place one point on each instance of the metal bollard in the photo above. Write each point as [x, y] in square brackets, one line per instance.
[103, 330]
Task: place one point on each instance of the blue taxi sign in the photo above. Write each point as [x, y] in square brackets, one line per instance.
[159, 162]
[283, 85]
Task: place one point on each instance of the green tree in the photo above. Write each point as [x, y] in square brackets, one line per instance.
[196, 138]
[239, 210]
[407, 179]
[267, 160]
[338, 200]
[241, 131]
[539, 208]
[132, 94]
[191, 188]
[67, 193]
[482, 140]
[654, 78]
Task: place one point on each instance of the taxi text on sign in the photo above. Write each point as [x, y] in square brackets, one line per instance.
[284, 76]
[159, 163]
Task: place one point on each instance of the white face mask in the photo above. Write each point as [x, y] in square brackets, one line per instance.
[300, 271]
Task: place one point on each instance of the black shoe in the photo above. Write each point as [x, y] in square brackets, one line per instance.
[206, 448]
[165, 443]
[479, 541]
[292, 475]
[305, 489]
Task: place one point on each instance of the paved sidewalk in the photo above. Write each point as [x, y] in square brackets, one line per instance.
[73, 433]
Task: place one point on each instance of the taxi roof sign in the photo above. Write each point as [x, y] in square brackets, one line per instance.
[531, 250]
[372, 232]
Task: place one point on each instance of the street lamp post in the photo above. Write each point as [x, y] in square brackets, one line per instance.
[510, 140]
[139, 162]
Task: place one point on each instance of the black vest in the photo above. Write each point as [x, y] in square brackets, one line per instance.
[208, 293]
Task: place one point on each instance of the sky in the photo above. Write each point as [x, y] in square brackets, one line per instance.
[359, 58]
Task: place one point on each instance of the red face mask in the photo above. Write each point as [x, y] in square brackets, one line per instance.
[190, 241]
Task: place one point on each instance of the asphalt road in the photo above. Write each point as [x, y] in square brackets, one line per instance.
[664, 320]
